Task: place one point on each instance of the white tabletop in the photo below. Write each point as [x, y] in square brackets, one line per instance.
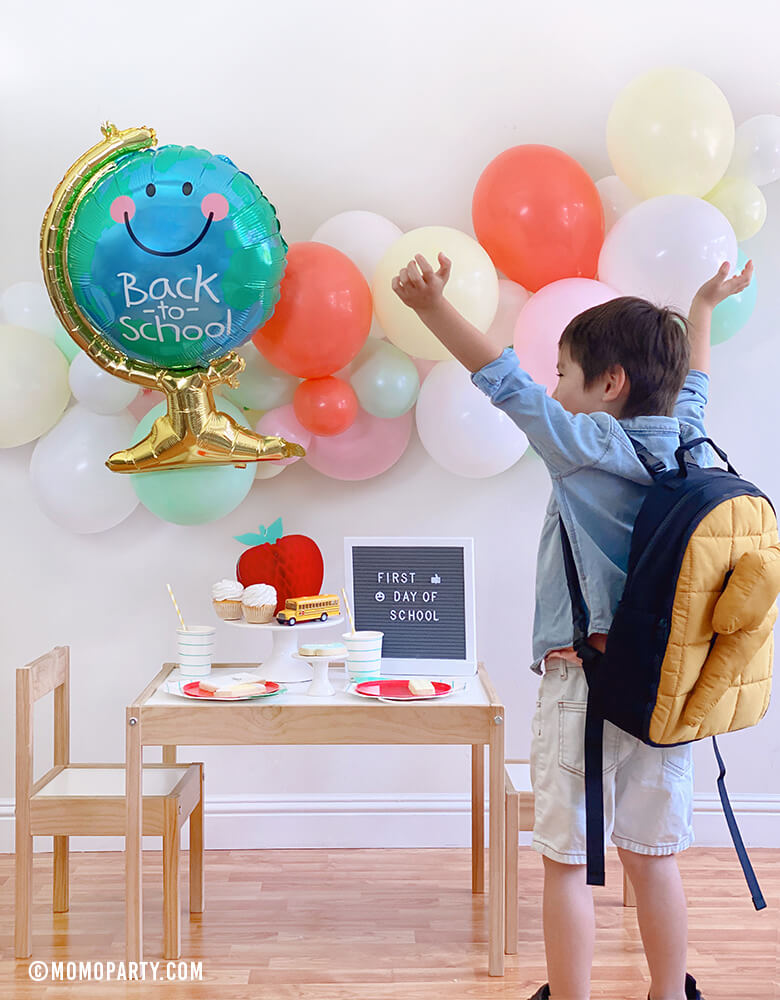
[468, 691]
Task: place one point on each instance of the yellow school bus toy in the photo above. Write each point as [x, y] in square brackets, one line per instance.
[308, 609]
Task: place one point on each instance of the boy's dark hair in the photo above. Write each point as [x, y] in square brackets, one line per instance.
[650, 343]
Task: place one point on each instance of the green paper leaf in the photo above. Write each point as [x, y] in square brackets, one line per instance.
[269, 535]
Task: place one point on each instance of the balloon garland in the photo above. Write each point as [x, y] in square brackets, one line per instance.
[686, 189]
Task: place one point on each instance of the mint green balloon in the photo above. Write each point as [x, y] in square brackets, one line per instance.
[66, 344]
[730, 315]
[385, 380]
[194, 495]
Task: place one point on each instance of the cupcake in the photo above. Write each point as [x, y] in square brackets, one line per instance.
[259, 603]
[226, 597]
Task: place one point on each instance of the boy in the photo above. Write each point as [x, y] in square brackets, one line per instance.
[625, 367]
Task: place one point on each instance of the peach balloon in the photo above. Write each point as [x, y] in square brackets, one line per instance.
[370, 447]
[544, 318]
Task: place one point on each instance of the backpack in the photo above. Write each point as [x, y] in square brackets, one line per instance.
[689, 651]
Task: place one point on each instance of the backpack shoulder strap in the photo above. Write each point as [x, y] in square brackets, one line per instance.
[653, 465]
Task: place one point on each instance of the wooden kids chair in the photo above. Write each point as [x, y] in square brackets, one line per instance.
[89, 800]
[520, 816]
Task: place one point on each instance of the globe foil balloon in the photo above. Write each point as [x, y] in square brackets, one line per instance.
[159, 264]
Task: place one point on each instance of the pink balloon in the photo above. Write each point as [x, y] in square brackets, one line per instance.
[424, 367]
[282, 422]
[146, 400]
[368, 448]
[546, 315]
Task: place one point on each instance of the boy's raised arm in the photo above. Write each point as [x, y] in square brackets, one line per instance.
[563, 441]
[420, 287]
[711, 293]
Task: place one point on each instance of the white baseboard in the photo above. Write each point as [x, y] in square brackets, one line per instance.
[334, 821]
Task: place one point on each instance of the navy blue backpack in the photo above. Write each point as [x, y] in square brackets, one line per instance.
[667, 676]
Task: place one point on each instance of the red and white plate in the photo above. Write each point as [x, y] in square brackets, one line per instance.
[192, 690]
[397, 689]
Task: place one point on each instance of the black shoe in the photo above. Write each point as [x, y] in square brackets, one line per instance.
[543, 993]
[691, 993]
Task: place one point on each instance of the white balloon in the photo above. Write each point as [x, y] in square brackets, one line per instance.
[27, 304]
[757, 150]
[268, 470]
[69, 477]
[364, 237]
[664, 248]
[511, 299]
[616, 198]
[97, 389]
[461, 429]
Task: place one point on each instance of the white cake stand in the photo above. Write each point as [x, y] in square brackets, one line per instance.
[282, 665]
[320, 686]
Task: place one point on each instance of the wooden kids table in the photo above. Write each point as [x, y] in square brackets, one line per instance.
[474, 717]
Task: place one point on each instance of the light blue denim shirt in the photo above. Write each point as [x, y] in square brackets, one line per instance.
[598, 485]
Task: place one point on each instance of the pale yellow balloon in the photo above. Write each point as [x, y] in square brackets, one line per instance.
[472, 288]
[34, 389]
[670, 131]
[743, 204]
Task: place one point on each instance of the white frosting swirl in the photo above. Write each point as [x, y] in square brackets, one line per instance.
[227, 590]
[259, 594]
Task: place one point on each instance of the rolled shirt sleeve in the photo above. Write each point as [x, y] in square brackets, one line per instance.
[564, 441]
[693, 399]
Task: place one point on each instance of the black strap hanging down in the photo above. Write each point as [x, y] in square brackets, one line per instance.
[750, 876]
[594, 724]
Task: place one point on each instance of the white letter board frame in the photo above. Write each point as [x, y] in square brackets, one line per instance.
[409, 665]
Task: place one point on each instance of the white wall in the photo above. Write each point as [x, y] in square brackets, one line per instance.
[395, 108]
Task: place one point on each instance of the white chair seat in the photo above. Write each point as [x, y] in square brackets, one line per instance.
[109, 781]
[520, 776]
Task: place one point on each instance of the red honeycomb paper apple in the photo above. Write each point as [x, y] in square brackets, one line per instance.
[292, 564]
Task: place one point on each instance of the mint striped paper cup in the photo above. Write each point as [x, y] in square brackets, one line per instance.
[364, 654]
[196, 649]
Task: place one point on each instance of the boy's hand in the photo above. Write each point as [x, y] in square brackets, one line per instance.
[420, 287]
[720, 287]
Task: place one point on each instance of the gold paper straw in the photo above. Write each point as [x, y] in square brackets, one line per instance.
[346, 605]
[177, 607]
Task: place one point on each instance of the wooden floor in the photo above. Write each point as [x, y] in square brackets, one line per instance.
[380, 924]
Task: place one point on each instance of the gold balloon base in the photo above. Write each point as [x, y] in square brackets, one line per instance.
[193, 432]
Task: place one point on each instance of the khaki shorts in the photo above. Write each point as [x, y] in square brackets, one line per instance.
[648, 791]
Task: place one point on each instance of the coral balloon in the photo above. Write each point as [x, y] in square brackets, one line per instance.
[670, 131]
[324, 314]
[472, 288]
[539, 216]
[369, 448]
[325, 406]
[544, 318]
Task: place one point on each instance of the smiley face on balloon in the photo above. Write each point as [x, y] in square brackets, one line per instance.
[175, 256]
